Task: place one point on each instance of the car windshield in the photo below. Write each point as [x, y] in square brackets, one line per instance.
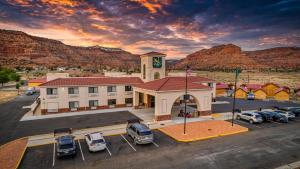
[65, 146]
[144, 133]
[98, 141]
[257, 116]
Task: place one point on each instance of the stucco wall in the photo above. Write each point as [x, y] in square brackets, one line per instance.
[150, 70]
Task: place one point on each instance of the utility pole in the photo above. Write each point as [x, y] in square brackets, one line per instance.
[185, 98]
[237, 72]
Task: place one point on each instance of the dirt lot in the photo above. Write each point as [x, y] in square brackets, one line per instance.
[6, 96]
[290, 79]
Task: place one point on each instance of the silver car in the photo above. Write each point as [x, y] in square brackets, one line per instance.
[140, 133]
[287, 114]
[250, 117]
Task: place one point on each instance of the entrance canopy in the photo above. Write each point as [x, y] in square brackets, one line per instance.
[165, 92]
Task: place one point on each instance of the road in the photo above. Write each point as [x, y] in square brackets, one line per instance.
[10, 114]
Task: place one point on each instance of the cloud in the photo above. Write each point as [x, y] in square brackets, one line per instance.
[153, 5]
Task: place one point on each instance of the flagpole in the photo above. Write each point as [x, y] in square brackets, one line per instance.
[185, 100]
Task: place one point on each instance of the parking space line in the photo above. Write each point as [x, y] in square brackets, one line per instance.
[81, 150]
[128, 142]
[53, 163]
[155, 144]
[108, 151]
[249, 124]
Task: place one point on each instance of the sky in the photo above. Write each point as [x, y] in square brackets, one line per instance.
[174, 27]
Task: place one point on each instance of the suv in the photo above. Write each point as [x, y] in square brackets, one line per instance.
[279, 117]
[287, 114]
[140, 133]
[65, 144]
[250, 116]
[95, 142]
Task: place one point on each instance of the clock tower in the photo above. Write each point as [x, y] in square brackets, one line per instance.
[153, 66]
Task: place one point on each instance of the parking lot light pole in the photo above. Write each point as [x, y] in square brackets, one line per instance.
[185, 98]
[237, 72]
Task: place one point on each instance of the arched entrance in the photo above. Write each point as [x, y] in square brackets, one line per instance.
[179, 106]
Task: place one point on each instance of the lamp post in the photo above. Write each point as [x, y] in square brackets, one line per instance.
[237, 72]
[185, 98]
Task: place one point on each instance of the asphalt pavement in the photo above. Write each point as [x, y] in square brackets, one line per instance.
[268, 145]
[10, 114]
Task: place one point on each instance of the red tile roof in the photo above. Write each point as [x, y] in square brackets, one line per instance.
[222, 86]
[270, 83]
[175, 83]
[281, 89]
[253, 86]
[38, 80]
[243, 89]
[153, 54]
[84, 81]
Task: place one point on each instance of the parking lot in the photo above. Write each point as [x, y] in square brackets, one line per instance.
[118, 145]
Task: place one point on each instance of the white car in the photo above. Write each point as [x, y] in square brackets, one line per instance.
[287, 114]
[95, 142]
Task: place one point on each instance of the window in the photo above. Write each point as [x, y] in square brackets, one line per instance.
[210, 84]
[73, 90]
[128, 88]
[93, 103]
[93, 89]
[51, 91]
[74, 104]
[111, 88]
[156, 75]
[112, 102]
[128, 100]
[144, 71]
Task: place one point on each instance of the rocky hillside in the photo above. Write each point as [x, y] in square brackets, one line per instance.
[230, 56]
[23, 50]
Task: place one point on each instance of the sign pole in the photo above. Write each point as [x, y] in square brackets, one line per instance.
[185, 100]
[237, 71]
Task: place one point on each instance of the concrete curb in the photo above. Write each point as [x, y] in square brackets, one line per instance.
[295, 165]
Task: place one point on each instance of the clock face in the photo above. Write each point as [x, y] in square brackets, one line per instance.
[157, 62]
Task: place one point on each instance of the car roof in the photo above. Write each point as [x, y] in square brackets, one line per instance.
[96, 136]
[141, 127]
[67, 139]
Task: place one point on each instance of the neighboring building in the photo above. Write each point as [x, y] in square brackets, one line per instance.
[251, 87]
[298, 95]
[34, 83]
[241, 93]
[152, 89]
[282, 94]
[222, 89]
[270, 89]
[259, 94]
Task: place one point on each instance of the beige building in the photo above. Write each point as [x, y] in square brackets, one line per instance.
[152, 90]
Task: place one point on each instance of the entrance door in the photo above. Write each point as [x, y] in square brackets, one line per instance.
[152, 101]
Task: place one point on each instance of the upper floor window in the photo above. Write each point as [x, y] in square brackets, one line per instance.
[111, 102]
[73, 90]
[210, 84]
[93, 89]
[128, 88]
[111, 88]
[51, 91]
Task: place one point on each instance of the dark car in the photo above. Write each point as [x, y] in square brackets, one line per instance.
[267, 117]
[65, 143]
[295, 110]
[279, 117]
[65, 146]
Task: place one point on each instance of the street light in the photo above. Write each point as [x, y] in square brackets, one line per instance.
[237, 72]
[185, 97]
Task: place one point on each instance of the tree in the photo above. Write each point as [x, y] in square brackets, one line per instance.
[14, 77]
[4, 78]
[18, 87]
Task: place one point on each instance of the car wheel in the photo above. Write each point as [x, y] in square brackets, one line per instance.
[134, 141]
[251, 121]
[238, 117]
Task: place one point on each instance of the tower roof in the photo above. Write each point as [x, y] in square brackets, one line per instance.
[153, 54]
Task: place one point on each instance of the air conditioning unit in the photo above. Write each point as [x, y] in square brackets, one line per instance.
[111, 94]
[73, 109]
[93, 108]
[112, 106]
[129, 105]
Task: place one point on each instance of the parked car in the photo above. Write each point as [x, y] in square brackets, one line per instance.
[140, 133]
[287, 114]
[95, 142]
[295, 110]
[279, 117]
[65, 143]
[29, 92]
[267, 117]
[250, 117]
[250, 96]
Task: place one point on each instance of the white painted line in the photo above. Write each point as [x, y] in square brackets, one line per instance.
[80, 150]
[128, 142]
[53, 163]
[108, 151]
[155, 144]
